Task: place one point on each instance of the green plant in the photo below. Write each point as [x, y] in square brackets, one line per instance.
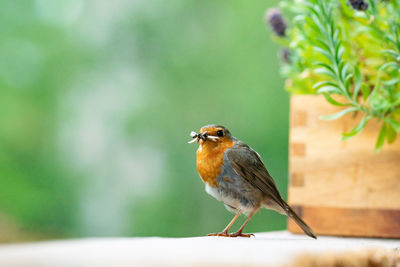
[348, 51]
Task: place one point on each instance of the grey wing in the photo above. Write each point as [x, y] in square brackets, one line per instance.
[248, 164]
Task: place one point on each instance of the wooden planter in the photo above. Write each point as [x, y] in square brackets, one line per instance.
[341, 187]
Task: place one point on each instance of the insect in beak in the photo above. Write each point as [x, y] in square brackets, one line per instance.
[201, 136]
[195, 137]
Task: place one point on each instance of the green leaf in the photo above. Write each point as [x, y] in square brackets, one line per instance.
[336, 35]
[365, 91]
[323, 52]
[396, 102]
[339, 53]
[390, 38]
[394, 124]
[391, 134]
[323, 83]
[389, 65]
[298, 18]
[337, 47]
[390, 52]
[329, 89]
[356, 130]
[381, 138]
[321, 43]
[326, 66]
[348, 80]
[326, 72]
[320, 26]
[338, 114]
[344, 72]
[358, 80]
[372, 6]
[331, 29]
[391, 82]
[333, 101]
[311, 24]
[313, 9]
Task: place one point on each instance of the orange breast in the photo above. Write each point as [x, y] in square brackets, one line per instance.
[210, 157]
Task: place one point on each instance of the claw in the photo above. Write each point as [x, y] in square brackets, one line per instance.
[241, 235]
[236, 234]
[225, 234]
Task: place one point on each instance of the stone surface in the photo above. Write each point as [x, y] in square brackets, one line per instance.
[267, 249]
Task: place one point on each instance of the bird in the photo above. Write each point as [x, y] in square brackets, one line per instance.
[235, 174]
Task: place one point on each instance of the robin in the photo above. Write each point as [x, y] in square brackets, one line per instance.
[235, 174]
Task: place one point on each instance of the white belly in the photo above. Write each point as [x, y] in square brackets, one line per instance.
[227, 200]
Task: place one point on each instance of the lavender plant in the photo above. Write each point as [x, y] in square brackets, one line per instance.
[348, 51]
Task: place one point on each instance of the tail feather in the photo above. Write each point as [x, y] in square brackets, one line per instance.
[290, 212]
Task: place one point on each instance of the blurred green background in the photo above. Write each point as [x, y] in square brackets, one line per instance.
[97, 100]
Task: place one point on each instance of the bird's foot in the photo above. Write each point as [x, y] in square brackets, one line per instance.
[236, 234]
[223, 233]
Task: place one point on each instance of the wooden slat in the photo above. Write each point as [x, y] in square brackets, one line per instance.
[349, 221]
[298, 119]
[327, 172]
[297, 149]
[297, 179]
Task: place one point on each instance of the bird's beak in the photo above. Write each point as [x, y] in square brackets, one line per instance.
[202, 136]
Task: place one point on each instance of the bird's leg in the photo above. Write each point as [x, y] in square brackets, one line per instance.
[225, 231]
[239, 232]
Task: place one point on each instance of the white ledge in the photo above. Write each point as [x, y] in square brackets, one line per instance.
[270, 249]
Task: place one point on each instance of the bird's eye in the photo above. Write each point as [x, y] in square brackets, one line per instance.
[220, 133]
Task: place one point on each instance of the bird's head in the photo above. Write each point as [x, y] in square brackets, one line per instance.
[211, 134]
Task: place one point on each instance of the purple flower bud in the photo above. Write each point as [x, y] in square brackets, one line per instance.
[274, 18]
[358, 4]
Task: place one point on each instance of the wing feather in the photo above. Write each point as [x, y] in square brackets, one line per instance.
[248, 164]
